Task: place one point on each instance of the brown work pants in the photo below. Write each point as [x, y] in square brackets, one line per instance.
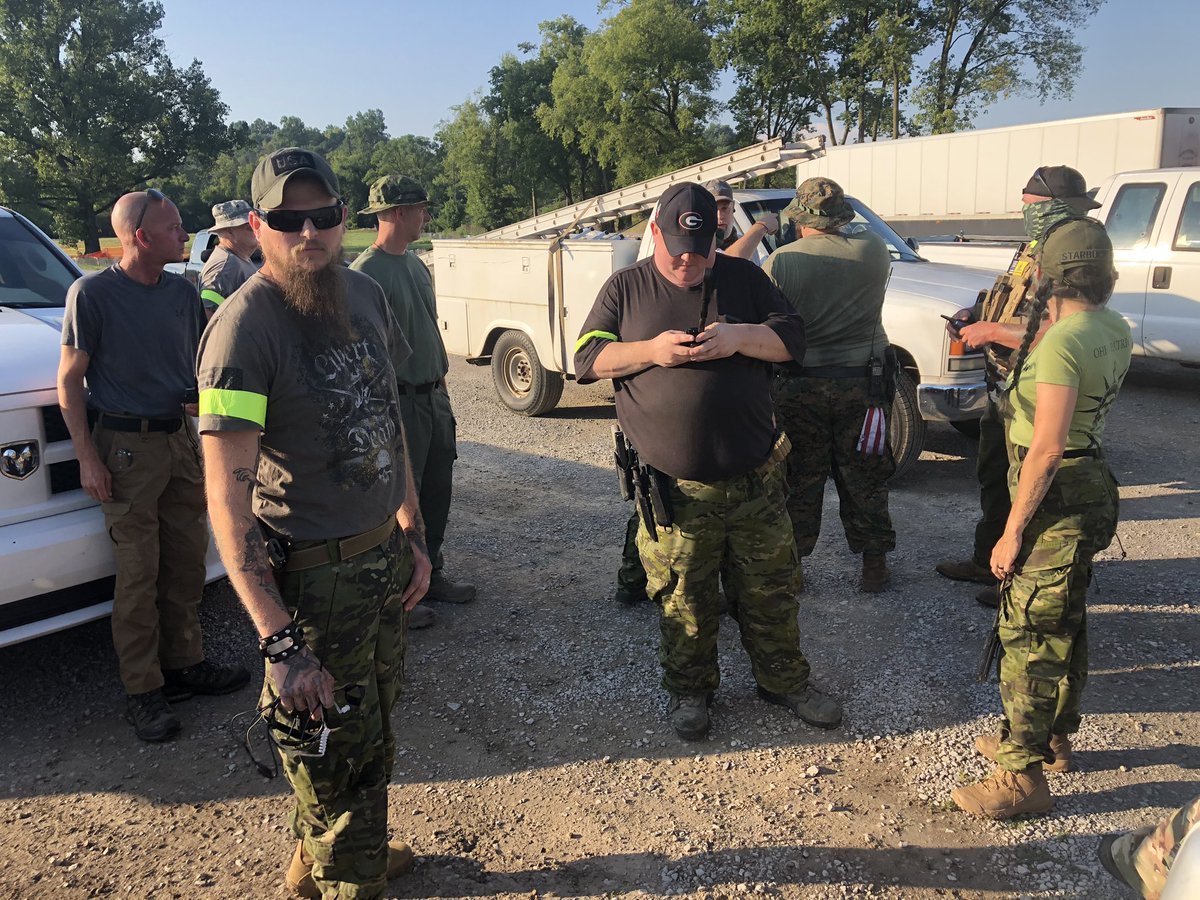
[157, 524]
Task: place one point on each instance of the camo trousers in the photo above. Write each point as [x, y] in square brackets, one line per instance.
[824, 417]
[1145, 856]
[355, 624]
[1043, 610]
[737, 531]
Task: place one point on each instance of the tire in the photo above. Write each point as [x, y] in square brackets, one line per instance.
[522, 382]
[968, 428]
[906, 430]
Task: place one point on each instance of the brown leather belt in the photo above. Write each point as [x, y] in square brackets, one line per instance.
[334, 551]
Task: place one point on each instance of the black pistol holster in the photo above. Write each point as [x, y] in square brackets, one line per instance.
[650, 488]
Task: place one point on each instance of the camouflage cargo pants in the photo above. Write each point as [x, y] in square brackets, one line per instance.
[355, 624]
[824, 417]
[1145, 856]
[736, 530]
[631, 576]
[1043, 611]
[991, 470]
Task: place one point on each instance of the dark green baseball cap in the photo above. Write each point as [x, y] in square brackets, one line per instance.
[820, 203]
[393, 190]
[276, 169]
[1074, 245]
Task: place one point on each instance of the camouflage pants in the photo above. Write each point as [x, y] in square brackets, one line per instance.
[1145, 856]
[991, 469]
[824, 417]
[1043, 611]
[736, 530]
[355, 624]
[631, 576]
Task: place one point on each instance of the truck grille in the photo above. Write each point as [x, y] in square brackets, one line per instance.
[52, 422]
[64, 476]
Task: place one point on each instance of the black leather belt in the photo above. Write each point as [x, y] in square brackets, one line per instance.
[417, 388]
[834, 371]
[133, 423]
[1067, 454]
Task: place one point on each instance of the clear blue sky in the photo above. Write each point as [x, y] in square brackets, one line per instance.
[324, 61]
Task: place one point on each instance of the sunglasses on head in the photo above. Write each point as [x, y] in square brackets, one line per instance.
[151, 194]
[1040, 181]
[292, 220]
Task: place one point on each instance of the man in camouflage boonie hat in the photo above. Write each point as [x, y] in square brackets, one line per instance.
[820, 203]
[402, 207]
[231, 262]
[391, 191]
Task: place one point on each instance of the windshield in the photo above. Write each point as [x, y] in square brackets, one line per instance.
[864, 220]
[31, 274]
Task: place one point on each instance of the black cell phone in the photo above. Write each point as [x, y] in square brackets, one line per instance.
[956, 324]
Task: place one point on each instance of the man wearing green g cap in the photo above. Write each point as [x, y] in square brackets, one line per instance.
[832, 405]
[402, 208]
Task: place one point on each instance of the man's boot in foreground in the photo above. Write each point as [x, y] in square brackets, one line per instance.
[689, 715]
[1006, 794]
[442, 590]
[988, 745]
[965, 570]
[299, 874]
[809, 704]
[875, 574]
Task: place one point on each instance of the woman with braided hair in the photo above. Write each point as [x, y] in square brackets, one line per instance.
[1064, 511]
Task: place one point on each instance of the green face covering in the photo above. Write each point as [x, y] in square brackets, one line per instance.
[1040, 216]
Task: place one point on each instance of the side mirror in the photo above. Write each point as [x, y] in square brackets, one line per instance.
[913, 245]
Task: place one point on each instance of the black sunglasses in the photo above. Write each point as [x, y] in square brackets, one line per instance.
[151, 194]
[1040, 180]
[292, 220]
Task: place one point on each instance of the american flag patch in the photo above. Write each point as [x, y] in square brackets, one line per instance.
[872, 440]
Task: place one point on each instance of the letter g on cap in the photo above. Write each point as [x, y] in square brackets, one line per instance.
[691, 221]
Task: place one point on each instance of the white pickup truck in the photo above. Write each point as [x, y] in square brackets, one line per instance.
[56, 559]
[519, 305]
[1153, 218]
[202, 245]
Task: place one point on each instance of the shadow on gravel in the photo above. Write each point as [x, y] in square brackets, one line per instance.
[949, 868]
[1165, 794]
[1185, 756]
[1157, 689]
[601, 411]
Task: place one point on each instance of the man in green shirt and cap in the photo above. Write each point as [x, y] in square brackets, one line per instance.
[401, 205]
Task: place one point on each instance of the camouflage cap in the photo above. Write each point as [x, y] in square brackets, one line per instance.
[276, 169]
[1074, 245]
[719, 189]
[393, 190]
[820, 203]
[230, 214]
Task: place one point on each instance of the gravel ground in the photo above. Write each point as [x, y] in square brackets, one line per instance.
[533, 754]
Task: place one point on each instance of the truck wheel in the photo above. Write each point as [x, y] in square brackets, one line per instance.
[523, 384]
[906, 430]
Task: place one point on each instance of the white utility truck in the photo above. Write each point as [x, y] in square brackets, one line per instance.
[517, 297]
[970, 182]
[1153, 218]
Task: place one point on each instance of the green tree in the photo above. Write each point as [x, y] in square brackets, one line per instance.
[93, 107]
[350, 151]
[983, 48]
[638, 94]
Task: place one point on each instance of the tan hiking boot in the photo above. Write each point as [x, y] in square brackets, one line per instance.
[988, 746]
[965, 570]
[1006, 794]
[875, 574]
[299, 874]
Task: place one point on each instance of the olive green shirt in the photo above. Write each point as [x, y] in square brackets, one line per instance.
[409, 290]
[836, 282]
[1088, 351]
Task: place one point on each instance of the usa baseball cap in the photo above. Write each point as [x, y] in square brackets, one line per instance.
[687, 218]
[276, 169]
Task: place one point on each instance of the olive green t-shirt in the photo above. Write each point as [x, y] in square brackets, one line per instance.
[409, 289]
[1087, 350]
[836, 282]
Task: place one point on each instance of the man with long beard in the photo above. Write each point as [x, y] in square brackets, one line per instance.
[308, 477]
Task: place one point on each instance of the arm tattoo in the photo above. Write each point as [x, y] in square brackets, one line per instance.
[1038, 488]
[253, 560]
[299, 666]
[248, 477]
[416, 539]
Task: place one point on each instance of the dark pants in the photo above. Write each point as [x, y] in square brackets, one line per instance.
[429, 430]
[991, 468]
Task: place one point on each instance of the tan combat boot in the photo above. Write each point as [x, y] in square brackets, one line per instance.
[299, 874]
[1006, 794]
[988, 745]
